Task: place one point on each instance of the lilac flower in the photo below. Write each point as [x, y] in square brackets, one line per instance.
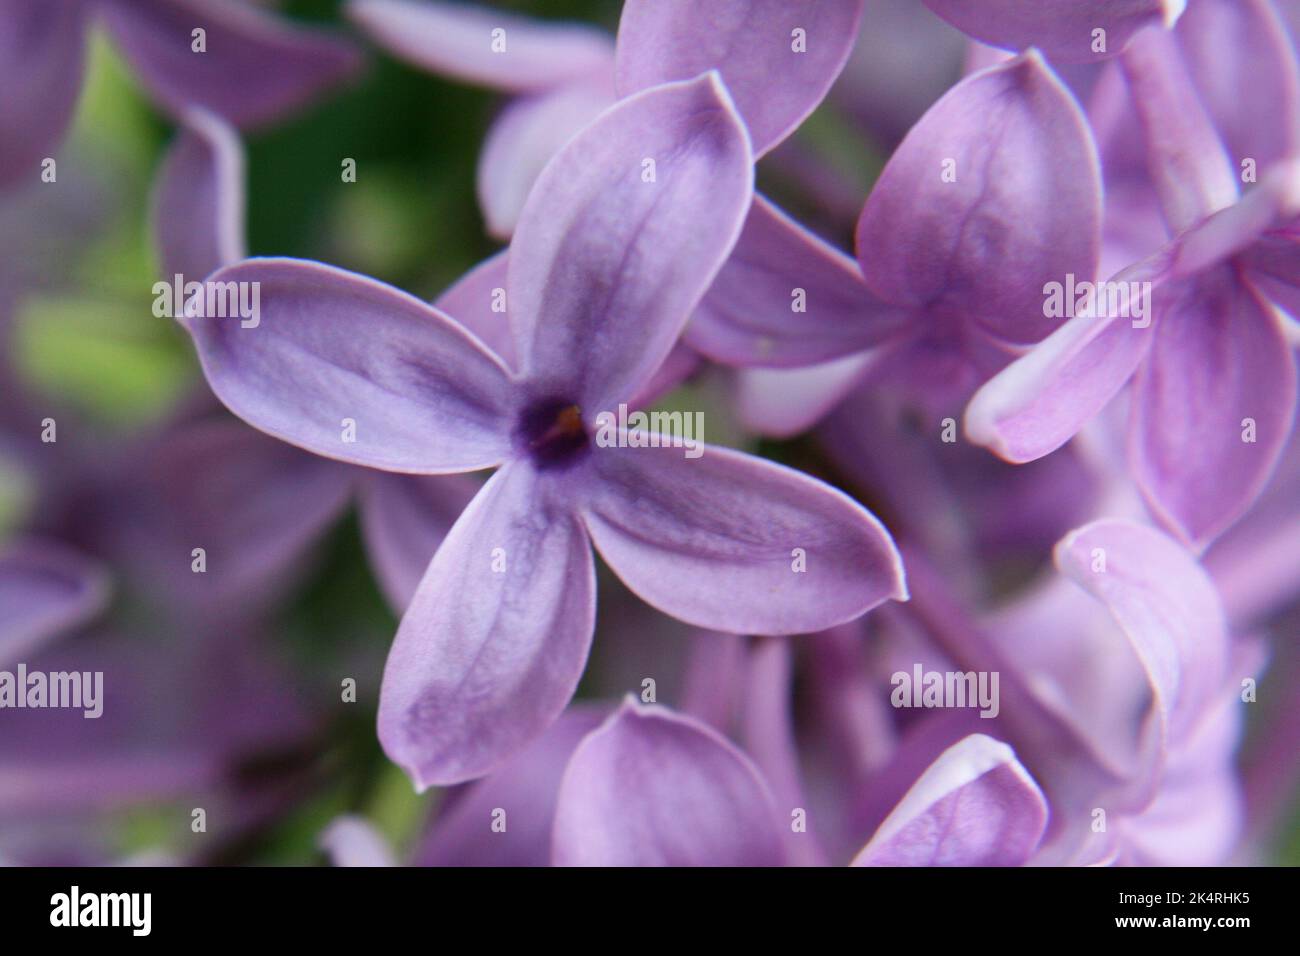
[1215, 386]
[253, 68]
[603, 274]
[227, 488]
[954, 262]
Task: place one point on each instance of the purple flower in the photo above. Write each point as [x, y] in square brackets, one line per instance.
[1214, 378]
[605, 268]
[252, 68]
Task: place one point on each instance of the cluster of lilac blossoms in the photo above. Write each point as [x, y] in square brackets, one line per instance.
[986, 572]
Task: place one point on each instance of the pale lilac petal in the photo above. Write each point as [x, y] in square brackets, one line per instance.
[777, 58]
[404, 518]
[522, 141]
[1188, 164]
[486, 659]
[652, 788]
[1166, 606]
[45, 590]
[1220, 364]
[1024, 209]
[786, 299]
[1235, 45]
[520, 796]
[256, 67]
[1061, 28]
[353, 841]
[40, 71]
[717, 540]
[974, 806]
[460, 40]
[331, 347]
[612, 254]
[1041, 400]
[784, 402]
[477, 300]
[198, 200]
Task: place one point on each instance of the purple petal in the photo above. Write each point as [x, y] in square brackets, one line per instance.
[41, 59]
[478, 301]
[522, 141]
[1062, 28]
[525, 788]
[256, 67]
[782, 403]
[974, 806]
[612, 254]
[1024, 209]
[1185, 157]
[717, 540]
[198, 201]
[45, 590]
[491, 648]
[460, 41]
[652, 788]
[256, 506]
[331, 347]
[1235, 45]
[786, 298]
[1220, 358]
[1166, 606]
[353, 841]
[404, 518]
[778, 59]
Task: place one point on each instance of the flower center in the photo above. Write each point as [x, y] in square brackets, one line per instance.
[552, 432]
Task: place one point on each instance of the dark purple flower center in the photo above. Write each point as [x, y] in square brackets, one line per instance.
[552, 432]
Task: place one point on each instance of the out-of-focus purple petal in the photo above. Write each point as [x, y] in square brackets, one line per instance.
[974, 806]
[331, 347]
[719, 541]
[521, 142]
[404, 518]
[778, 59]
[198, 201]
[520, 796]
[1213, 405]
[1185, 157]
[1062, 28]
[489, 47]
[681, 364]
[256, 506]
[41, 64]
[652, 788]
[493, 643]
[255, 67]
[352, 841]
[1167, 607]
[477, 300]
[604, 272]
[1235, 45]
[45, 590]
[786, 298]
[993, 194]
